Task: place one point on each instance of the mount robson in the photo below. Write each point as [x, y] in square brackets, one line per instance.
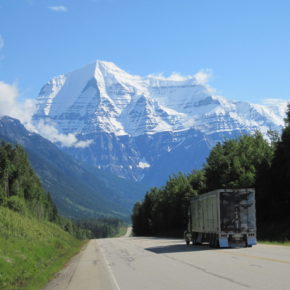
[146, 128]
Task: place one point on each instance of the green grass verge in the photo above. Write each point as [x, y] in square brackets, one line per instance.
[31, 251]
[275, 243]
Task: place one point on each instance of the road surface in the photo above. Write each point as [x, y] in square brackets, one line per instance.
[132, 263]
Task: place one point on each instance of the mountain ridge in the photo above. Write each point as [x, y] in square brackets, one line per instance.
[116, 96]
[79, 191]
[114, 110]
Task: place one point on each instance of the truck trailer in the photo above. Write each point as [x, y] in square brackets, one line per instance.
[223, 218]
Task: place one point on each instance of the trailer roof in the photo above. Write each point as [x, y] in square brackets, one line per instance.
[217, 191]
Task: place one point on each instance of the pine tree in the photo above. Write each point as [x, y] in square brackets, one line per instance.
[20, 187]
[235, 163]
[278, 190]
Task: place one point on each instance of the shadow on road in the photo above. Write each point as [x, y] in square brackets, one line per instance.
[179, 248]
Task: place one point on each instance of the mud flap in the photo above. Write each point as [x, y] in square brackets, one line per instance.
[224, 243]
[199, 238]
[251, 241]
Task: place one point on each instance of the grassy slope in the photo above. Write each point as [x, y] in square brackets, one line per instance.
[275, 243]
[31, 251]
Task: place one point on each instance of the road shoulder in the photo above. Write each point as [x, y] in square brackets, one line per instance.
[87, 270]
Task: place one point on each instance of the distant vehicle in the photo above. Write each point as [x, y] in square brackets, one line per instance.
[223, 218]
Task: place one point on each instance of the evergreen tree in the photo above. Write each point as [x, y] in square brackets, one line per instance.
[20, 187]
[164, 211]
[274, 186]
[235, 163]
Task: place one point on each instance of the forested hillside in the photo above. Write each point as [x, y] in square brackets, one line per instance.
[248, 161]
[35, 241]
[20, 188]
[22, 192]
[78, 191]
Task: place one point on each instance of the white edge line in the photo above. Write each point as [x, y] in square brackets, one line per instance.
[109, 268]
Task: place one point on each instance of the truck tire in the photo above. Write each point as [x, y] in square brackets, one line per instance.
[216, 243]
[211, 240]
[194, 236]
[246, 242]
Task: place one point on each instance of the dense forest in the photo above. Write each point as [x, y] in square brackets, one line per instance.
[20, 188]
[245, 162]
[35, 241]
[22, 192]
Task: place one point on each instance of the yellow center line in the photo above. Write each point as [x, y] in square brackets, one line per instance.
[256, 257]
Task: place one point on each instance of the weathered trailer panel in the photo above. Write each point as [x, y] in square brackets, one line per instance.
[204, 214]
[223, 216]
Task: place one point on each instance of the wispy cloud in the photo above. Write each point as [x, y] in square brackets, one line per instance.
[23, 111]
[1, 42]
[48, 131]
[10, 106]
[58, 8]
[274, 102]
[200, 78]
[203, 76]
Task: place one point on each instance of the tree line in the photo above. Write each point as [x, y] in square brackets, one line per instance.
[245, 162]
[20, 188]
[21, 191]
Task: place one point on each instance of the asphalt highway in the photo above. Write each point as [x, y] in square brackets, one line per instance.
[133, 263]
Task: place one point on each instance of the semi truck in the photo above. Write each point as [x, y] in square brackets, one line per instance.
[223, 218]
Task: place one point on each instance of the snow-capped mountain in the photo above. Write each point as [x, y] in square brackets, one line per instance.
[146, 127]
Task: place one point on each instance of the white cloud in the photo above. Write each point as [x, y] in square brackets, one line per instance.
[10, 106]
[1, 42]
[274, 102]
[202, 77]
[83, 144]
[48, 131]
[23, 111]
[58, 8]
[173, 77]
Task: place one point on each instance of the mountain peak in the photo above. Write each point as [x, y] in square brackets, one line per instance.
[99, 68]
[166, 123]
[101, 95]
[106, 65]
[89, 69]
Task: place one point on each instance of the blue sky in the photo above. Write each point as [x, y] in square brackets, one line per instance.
[244, 44]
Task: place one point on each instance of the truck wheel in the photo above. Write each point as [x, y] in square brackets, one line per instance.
[211, 240]
[216, 243]
[247, 245]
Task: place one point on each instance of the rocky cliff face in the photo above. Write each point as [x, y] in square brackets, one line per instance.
[146, 127]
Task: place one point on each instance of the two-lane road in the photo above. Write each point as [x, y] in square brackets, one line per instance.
[153, 263]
